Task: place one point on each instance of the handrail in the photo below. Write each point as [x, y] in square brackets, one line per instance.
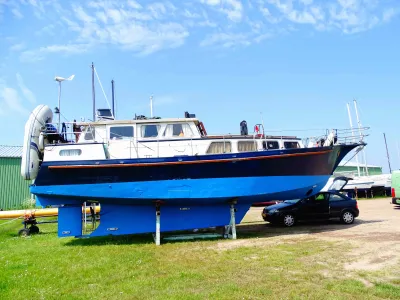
[342, 136]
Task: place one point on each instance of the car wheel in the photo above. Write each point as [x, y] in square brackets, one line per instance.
[289, 220]
[34, 229]
[347, 217]
[24, 232]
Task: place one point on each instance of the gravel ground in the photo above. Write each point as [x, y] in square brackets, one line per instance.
[375, 234]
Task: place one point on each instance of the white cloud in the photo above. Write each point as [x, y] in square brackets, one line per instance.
[82, 15]
[39, 54]
[17, 13]
[306, 2]
[226, 40]
[144, 27]
[301, 17]
[49, 30]
[25, 91]
[134, 4]
[389, 13]
[233, 9]
[143, 39]
[349, 16]
[17, 47]
[10, 101]
[128, 29]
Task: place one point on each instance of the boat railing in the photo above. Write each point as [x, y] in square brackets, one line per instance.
[190, 145]
[352, 135]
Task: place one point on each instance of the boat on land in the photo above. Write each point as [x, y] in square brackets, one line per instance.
[138, 168]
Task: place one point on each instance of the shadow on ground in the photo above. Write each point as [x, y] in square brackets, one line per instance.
[246, 230]
[268, 230]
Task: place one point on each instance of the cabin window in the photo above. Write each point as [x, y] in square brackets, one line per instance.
[291, 145]
[246, 146]
[70, 152]
[90, 134]
[121, 132]
[219, 147]
[150, 130]
[272, 145]
[178, 130]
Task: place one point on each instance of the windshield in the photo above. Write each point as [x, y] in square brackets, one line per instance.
[292, 201]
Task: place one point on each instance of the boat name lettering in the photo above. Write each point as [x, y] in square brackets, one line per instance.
[66, 232]
[112, 229]
[184, 208]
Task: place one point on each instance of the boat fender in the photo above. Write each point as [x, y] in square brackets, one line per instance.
[41, 142]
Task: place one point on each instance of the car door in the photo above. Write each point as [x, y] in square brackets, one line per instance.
[315, 207]
[321, 206]
[336, 203]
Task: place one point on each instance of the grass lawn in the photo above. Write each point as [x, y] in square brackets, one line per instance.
[132, 267]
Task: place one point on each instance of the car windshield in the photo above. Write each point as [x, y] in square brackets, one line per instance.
[292, 201]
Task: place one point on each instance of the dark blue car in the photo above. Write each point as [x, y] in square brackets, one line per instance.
[323, 206]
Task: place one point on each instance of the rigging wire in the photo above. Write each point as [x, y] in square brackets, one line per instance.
[105, 96]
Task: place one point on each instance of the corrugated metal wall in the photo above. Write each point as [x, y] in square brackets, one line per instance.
[14, 190]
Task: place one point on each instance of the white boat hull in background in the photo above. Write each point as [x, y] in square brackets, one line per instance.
[41, 115]
[364, 182]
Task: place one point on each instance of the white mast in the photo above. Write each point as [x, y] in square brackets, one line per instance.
[352, 132]
[361, 136]
[59, 80]
[151, 106]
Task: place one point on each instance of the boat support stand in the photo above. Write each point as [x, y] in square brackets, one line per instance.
[157, 236]
[230, 230]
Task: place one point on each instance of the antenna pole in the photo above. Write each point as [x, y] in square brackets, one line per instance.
[151, 106]
[387, 153]
[59, 106]
[361, 136]
[93, 95]
[352, 132]
[112, 94]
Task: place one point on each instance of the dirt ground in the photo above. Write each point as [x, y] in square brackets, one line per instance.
[374, 236]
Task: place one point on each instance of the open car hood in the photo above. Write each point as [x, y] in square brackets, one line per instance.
[339, 183]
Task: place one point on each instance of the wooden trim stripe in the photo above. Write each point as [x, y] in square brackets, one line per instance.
[122, 165]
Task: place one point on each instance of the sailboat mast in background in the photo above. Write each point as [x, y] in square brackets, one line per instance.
[361, 137]
[352, 132]
[387, 153]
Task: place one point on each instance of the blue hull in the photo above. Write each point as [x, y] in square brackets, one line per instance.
[187, 191]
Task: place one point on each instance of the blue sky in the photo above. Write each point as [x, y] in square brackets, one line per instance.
[297, 61]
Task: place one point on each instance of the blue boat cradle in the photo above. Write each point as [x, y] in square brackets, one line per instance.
[128, 219]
